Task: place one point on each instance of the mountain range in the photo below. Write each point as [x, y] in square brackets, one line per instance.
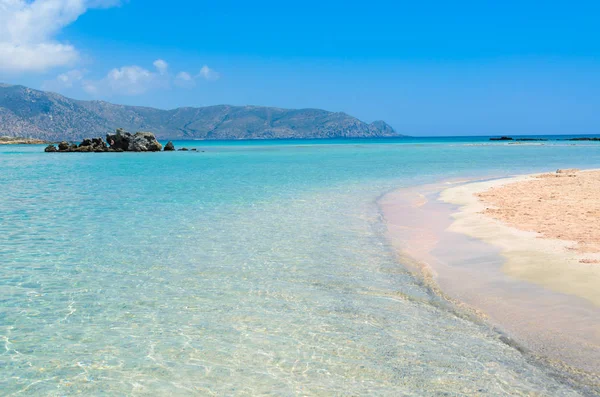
[26, 112]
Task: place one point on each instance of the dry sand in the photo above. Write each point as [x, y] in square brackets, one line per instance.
[547, 227]
[563, 205]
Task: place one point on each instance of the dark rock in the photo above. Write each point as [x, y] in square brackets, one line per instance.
[138, 142]
[84, 149]
[50, 149]
[169, 147]
[502, 138]
[183, 149]
[585, 139]
[194, 150]
[99, 143]
[89, 145]
[120, 140]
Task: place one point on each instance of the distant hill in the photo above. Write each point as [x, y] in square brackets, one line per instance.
[37, 114]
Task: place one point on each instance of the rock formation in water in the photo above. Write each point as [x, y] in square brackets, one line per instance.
[593, 139]
[138, 142]
[121, 141]
[169, 147]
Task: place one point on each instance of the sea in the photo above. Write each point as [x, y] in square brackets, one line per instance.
[246, 268]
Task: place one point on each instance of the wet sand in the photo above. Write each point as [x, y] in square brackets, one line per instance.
[545, 225]
[537, 290]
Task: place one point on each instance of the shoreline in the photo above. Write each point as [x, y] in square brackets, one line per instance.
[6, 140]
[440, 230]
[550, 262]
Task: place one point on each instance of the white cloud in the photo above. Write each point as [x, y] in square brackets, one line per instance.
[184, 79]
[28, 29]
[65, 80]
[89, 87]
[128, 80]
[208, 74]
[161, 66]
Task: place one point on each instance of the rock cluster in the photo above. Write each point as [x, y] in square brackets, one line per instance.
[121, 141]
[96, 145]
[585, 139]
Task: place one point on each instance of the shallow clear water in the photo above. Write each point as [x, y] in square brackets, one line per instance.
[246, 269]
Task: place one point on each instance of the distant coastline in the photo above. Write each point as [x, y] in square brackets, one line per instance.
[10, 140]
[50, 116]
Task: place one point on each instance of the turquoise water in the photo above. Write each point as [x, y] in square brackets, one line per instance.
[250, 268]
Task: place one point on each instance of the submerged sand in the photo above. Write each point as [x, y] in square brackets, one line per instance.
[520, 251]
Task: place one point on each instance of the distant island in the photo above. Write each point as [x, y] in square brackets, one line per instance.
[509, 138]
[53, 117]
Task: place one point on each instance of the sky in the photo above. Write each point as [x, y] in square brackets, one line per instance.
[428, 68]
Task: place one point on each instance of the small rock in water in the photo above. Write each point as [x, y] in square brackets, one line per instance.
[50, 149]
[169, 147]
[183, 149]
[63, 146]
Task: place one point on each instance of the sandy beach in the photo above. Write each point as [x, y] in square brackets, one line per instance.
[521, 252]
[546, 226]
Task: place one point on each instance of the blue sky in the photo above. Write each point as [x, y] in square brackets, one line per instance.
[427, 68]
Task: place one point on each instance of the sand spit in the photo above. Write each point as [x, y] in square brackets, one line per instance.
[546, 226]
[540, 290]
